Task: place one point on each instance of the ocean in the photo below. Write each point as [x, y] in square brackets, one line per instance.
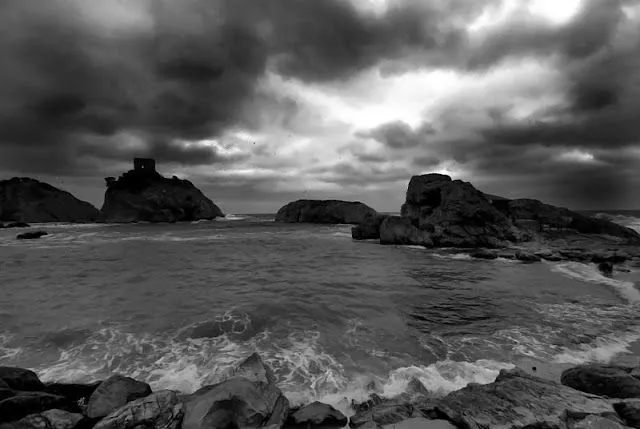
[177, 305]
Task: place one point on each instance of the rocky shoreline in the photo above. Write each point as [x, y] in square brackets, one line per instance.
[589, 396]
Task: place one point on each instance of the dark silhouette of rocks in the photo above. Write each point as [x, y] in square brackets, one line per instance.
[441, 212]
[28, 200]
[31, 235]
[142, 194]
[325, 211]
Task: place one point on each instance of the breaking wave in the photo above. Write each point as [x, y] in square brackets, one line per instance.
[591, 274]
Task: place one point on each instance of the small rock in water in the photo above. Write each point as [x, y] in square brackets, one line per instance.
[606, 268]
[604, 380]
[31, 235]
[527, 256]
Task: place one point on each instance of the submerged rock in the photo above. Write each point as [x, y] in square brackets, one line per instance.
[20, 379]
[517, 400]
[28, 200]
[325, 211]
[31, 235]
[484, 254]
[160, 410]
[606, 268]
[317, 414]
[145, 195]
[604, 380]
[115, 392]
[249, 399]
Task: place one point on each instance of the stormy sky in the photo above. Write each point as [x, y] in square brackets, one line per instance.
[260, 102]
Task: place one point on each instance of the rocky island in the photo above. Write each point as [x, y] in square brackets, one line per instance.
[28, 200]
[589, 396]
[143, 194]
[325, 211]
[441, 212]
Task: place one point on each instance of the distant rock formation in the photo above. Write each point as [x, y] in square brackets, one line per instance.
[325, 211]
[441, 212]
[143, 194]
[28, 200]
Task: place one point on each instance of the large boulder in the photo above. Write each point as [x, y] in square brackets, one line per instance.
[148, 196]
[20, 379]
[160, 410]
[317, 414]
[369, 229]
[604, 380]
[400, 230]
[248, 399]
[28, 200]
[325, 211]
[517, 400]
[456, 213]
[381, 413]
[50, 419]
[115, 392]
[23, 404]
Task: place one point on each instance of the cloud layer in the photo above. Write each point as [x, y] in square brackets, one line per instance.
[287, 98]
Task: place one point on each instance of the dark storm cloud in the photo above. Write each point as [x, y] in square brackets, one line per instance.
[399, 134]
[187, 70]
[581, 152]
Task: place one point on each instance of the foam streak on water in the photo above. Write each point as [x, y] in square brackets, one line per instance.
[591, 274]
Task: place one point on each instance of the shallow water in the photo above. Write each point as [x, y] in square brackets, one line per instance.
[178, 304]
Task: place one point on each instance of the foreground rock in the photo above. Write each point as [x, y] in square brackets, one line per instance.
[629, 411]
[325, 211]
[31, 235]
[145, 195]
[161, 410]
[28, 200]
[382, 412]
[20, 379]
[317, 414]
[249, 399]
[23, 404]
[51, 419]
[73, 391]
[604, 380]
[517, 400]
[113, 393]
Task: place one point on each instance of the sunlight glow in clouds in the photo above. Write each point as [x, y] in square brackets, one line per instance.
[555, 11]
[577, 155]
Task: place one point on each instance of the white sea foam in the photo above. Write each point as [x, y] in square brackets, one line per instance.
[602, 349]
[7, 352]
[454, 256]
[591, 274]
[624, 220]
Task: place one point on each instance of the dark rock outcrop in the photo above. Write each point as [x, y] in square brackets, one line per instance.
[317, 414]
[150, 197]
[455, 214]
[20, 379]
[28, 200]
[400, 230]
[604, 380]
[249, 399]
[325, 211]
[484, 254]
[384, 413]
[524, 256]
[31, 235]
[23, 404]
[369, 229]
[545, 216]
[160, 410]
[113, 393]
[517, 400]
